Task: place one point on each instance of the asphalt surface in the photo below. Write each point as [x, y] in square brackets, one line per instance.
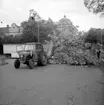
[50, 85]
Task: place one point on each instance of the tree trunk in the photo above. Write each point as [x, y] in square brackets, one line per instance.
[1, 49]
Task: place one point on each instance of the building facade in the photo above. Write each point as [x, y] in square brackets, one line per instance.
[15, 30]
[12, 30]
[66, 28]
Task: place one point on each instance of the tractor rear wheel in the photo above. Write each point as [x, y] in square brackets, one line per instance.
[31, 64]
[42, 59]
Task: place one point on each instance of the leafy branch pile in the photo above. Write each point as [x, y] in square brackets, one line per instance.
[79, 51]
[70, 52]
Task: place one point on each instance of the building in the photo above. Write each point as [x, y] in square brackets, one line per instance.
[4, 31]
[65, 24]
[66, 27]
[15, 30]
[12, 30]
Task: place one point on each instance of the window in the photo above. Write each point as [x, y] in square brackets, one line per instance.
[29, 47]
[39, 46]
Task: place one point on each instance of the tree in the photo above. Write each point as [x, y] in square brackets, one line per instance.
[34, 26]
[29, 33]
[94, 36]
[95, 6]
[94, 39]
[50, 26]
[23, 24]
[1, 46]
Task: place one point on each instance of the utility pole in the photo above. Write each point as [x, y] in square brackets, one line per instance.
[38, 31]
[36, 17]
[101, 40]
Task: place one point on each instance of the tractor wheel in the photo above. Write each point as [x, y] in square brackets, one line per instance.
[42, 59]
[27, 63]
[17, 64]
[31, 64]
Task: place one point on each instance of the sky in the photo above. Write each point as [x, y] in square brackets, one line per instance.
[16, 11]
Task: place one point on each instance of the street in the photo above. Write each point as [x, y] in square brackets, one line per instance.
[50, 85]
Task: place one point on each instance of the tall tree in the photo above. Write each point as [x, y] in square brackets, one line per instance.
[94, 36]
[29, 33]
[23, 24]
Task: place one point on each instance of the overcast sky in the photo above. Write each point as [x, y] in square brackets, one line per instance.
[18, 11]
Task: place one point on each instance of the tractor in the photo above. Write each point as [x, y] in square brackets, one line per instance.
[31, 54]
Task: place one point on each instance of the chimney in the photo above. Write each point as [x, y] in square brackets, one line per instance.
[7, 26]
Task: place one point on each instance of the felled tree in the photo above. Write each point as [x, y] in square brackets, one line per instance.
[65, 44]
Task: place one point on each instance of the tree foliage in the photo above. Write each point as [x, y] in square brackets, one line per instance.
[29, 32]
[95, 36]
[12, 39]
[70, 52]
[23, 24]
[32, 28]
[95, 6]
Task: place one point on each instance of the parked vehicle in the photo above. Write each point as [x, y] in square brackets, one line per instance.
[31, 54]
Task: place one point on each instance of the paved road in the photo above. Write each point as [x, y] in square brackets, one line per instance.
[50, 85]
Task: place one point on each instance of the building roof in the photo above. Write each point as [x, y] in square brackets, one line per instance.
[14, 24]
[68, 21]
[4, 29]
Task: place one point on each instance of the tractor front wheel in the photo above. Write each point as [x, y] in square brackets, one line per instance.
[31, 64]
[17, 64]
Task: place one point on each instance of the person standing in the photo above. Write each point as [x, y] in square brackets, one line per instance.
[98, 54]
